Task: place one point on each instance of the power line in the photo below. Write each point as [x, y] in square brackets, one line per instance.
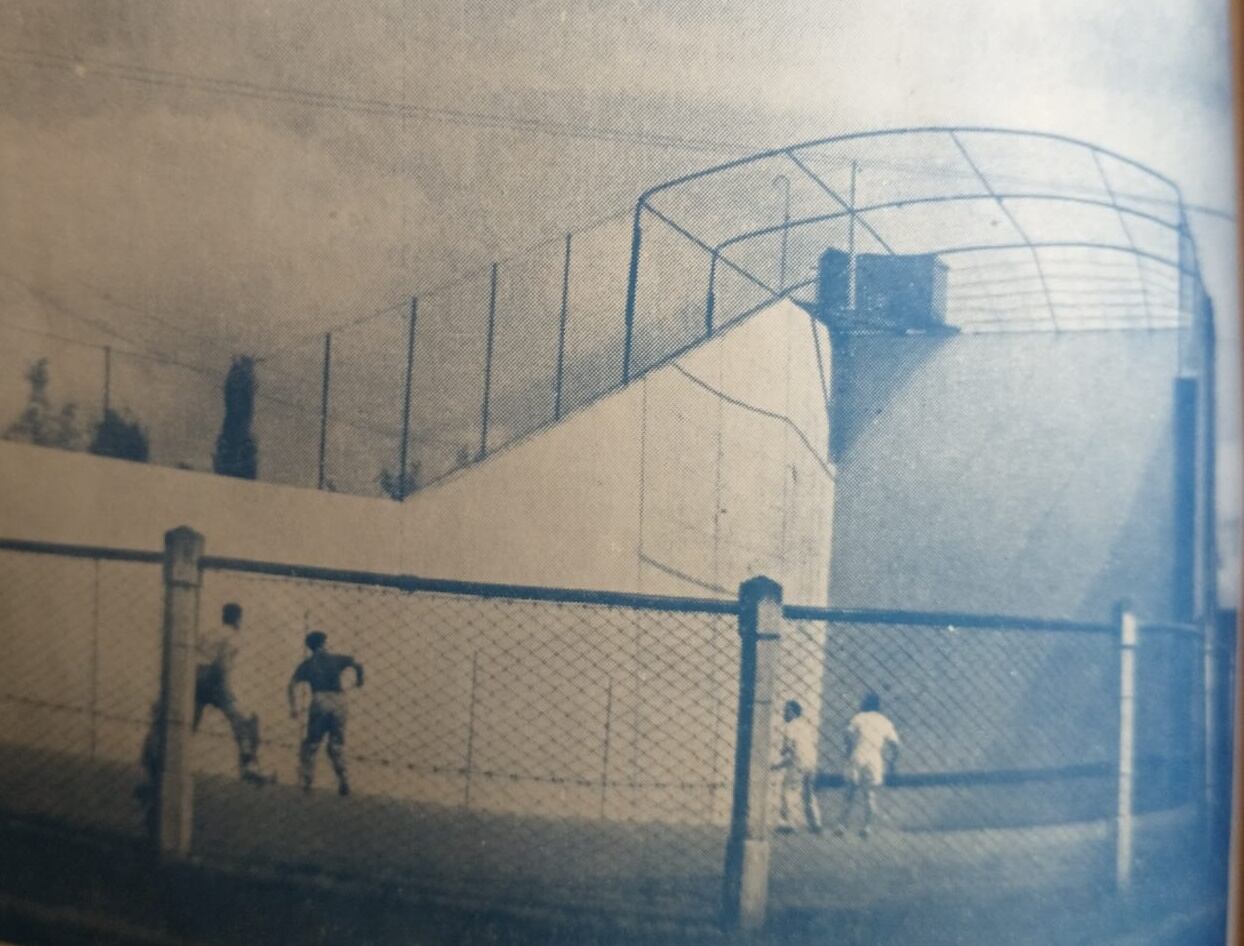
[299, 95]
[296, 95]
[109, 299]
[65, 311]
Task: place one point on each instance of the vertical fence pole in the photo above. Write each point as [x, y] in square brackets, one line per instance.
[183, 548]
[851, 269]
[94, 682]
[747, 846]
[710, 301]
[1208, 801]
[492, 324]
[403, 464]
[107, 379]
[1126, 623]
[1184, 541]
[1216, 723]
[632, 282]
[604, 762]
[561, 333]
[328, 360]
[470, 746]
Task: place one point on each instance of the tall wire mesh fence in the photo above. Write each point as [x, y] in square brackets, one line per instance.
[581, 748]
[530, 749]
[1028, 232]
[1007, 757]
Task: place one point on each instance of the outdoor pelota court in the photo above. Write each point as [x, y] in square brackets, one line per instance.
[581, 865]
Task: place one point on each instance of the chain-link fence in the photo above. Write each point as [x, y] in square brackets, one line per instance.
[588, 749]
[1005, 770]
[523, 748]
[80, 673]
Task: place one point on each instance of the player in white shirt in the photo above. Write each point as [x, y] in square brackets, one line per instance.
[872, 746]
[216, 650]
[798, 767]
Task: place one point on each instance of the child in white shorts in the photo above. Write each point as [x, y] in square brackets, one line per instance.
[872, 746]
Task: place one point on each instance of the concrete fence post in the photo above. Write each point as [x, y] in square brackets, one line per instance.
[183, 549]
[747, 846]
[1126, 622]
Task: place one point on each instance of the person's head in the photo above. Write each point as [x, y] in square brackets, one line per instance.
[315, 641]
[792, 710]
[231, 614]
[871, 703]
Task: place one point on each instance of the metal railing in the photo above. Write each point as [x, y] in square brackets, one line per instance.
[407, 395]
[593, 749]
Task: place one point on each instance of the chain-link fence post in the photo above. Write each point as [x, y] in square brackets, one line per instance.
[489, 339]
[1125, 621]
[325, 381]
[747, 846]
[183, 548]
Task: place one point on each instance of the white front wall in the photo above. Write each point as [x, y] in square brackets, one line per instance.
[690, 480]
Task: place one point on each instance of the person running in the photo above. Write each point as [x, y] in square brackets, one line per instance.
[872, 746]
[216, 650]
[327, 714]
[798, 768]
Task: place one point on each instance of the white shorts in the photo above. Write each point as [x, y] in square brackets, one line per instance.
[865, 772]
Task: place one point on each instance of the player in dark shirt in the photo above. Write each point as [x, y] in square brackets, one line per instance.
[327, 715]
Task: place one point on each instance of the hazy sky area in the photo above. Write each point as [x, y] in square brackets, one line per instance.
[197, 178]
[134, 176]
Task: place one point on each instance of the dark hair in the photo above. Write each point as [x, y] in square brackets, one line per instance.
[794, 707]
[231, 613]
[871, 703]
[316, 639]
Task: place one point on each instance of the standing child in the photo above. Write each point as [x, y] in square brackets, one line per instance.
[872, 746]
[798, 767]
[327, 714]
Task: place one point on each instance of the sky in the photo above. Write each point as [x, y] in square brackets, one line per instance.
[197, 179]
[174, 158]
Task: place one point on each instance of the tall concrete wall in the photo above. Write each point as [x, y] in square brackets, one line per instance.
[690, 480]
[1029, 474]
[706, 466]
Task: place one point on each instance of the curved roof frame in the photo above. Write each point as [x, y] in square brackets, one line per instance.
[802, 157]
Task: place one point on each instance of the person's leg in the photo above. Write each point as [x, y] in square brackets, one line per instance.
[847, 804]
[245, 730]
[811, 806]
[203, 694]
[870, 807]
[316, 729]
[337, 747]
[787, 802]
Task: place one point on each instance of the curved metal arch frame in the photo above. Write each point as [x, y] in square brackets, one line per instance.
[952, 133]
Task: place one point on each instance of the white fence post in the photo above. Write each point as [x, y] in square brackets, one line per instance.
[1126, 622]
[183, 548]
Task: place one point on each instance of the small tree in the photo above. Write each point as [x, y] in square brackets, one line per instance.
[120, 435]
[236, 451]
[39, 423]
[395, 487]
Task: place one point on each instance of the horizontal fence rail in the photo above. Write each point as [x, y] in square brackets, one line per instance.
[942, 619]
[590, 748]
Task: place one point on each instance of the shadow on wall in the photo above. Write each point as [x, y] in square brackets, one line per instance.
[1023, 474]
